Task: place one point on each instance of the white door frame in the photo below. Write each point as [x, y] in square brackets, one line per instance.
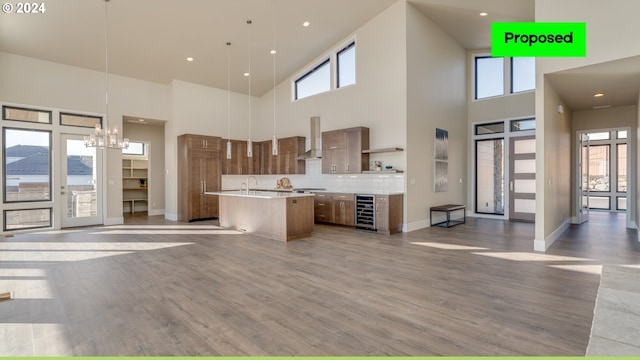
[62, 188]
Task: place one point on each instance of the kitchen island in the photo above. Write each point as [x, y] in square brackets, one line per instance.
[280, 216]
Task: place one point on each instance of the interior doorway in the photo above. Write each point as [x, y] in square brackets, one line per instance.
[602, 163]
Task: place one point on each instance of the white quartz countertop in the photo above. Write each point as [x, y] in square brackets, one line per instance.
[258, 194]
[366, 192]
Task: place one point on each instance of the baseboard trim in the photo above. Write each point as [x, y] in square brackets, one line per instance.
[416, 225]
[170, 216]
[156, 212]
[543, 245]
[114, 221]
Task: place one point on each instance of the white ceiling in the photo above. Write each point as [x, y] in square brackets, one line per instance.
[150, 39]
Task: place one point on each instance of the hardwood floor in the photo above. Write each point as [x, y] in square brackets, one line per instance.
[155, 287]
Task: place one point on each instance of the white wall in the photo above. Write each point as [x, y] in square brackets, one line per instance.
[553, 175]
[436, 98]
[41, 83]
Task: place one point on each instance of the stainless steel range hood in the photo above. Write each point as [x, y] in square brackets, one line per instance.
[316, 139]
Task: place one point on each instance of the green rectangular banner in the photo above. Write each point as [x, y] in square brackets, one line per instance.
[544, 39]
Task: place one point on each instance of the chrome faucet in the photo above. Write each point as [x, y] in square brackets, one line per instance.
[244, 185]
[248, 182]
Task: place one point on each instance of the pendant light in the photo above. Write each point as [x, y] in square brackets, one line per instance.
[228, 102]
[274, 138]
[249, 142]
[107, 138]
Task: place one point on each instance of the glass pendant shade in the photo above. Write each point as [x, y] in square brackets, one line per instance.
[274, 145]
[228, 150]
[249, 148]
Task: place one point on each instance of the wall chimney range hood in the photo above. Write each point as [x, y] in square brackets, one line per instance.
[315, 138]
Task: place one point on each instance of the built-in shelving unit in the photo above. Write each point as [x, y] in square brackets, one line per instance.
[392, 171]
[380, 151]
[135, 185]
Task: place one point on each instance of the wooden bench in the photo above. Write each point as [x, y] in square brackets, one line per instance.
[447, 209]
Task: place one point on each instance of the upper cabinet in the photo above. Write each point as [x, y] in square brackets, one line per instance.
[342, 151]
[263, 162]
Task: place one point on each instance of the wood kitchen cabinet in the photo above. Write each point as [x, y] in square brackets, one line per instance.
[389, 214]
[335, 208]
[240, 163]
[268, 164]
[342, 151]
[344, 209]
[199, 171]
[288, 151]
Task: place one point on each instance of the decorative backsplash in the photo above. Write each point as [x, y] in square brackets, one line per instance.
[355, 183]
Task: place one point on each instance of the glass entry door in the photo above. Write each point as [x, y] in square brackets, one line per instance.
[522, 178]
[583, 178]
[80, 183]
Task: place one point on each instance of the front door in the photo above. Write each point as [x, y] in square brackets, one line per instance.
[522, 178]
[80, 183]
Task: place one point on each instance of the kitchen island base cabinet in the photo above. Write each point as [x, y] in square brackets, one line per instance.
[280, 218]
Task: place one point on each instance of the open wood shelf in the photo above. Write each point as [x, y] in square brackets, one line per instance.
[375, 151]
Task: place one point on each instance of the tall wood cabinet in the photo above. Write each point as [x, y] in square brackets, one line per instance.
[342, 151]
[199, 171]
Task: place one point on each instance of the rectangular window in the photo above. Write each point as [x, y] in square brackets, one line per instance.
[621, 203]
[490, 176]
[493, 128]
[523, 74]
[316, 81]
[135, 148]
[622, 134]
[347, 65]
[29, 115]
[599, 136]
[489, 77]
[80, 120]
[622, 168]
[27, 165]
[599, 202]
[27, 219]
[523, 125]
[599, 168]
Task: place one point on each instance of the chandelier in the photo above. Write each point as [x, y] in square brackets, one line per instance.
[107, 138]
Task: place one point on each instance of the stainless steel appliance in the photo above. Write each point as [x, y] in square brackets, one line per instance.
[365, 212]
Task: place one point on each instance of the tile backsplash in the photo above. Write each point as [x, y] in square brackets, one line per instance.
[355, 183]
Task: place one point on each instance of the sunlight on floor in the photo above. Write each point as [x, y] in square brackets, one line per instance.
[167, 232]
[588, 269]
[524, 256]
[448, 246]
[206, 227]
[53, 335]
[75, 251]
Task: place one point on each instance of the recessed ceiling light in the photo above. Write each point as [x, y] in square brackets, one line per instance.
[598, 94]
[306, 24]
[484, 14]
[141, 120]
[273, 52]
[246, 74]
[189, 59]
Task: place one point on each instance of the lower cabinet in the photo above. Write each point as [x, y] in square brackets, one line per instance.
[389, 214]
[334, 208]
[339, 209]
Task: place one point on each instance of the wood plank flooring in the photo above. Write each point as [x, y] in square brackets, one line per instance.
[156, 287]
